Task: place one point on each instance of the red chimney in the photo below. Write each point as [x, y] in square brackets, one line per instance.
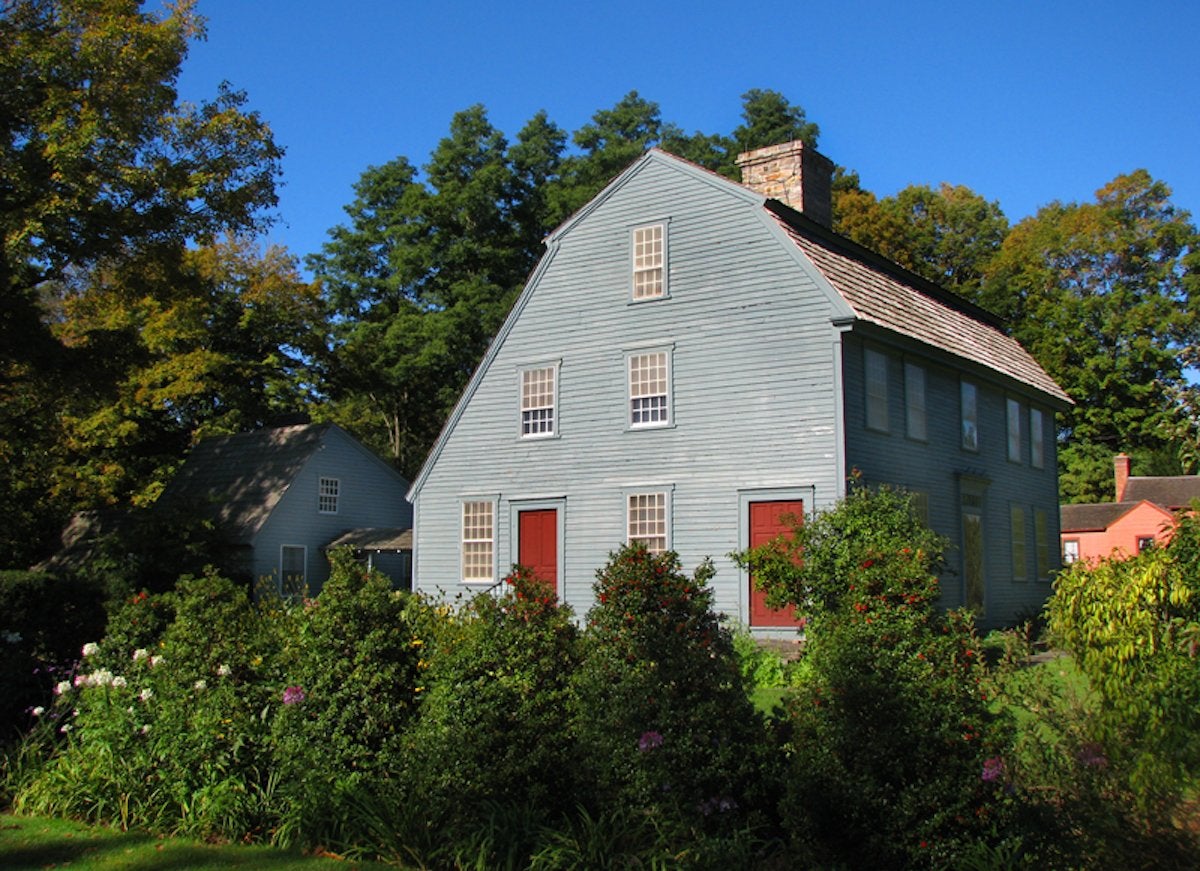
[1121, 473]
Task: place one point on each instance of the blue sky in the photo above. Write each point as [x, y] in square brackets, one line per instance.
[1025, 102]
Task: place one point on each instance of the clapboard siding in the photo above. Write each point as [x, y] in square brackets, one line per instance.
[752, 368]
[766, 398]
[935, 467]
[370, 494]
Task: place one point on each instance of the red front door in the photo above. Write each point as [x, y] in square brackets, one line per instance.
[766, 523]
[537, 544]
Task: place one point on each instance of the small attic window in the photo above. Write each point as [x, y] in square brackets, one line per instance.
[327, 496]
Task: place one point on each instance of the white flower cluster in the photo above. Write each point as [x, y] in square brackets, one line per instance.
[140, 654]
[90, 649]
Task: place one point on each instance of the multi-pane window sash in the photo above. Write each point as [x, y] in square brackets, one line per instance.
[877, 390]
[1037, 439]
[648, 262]
[970, 416]
[327, 496]
[537, 402]
[477, 531]
[1014, 430]
[648, 520]
[649, 403]
[914, 397]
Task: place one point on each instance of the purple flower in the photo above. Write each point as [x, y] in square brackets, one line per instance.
[993, 769]
[1092, 756]
[293, 695]
[649, 741]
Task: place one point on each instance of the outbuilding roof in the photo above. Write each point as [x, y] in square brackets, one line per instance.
[1173, 492]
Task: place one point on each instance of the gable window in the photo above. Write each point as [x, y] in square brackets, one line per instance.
[1037, 439]
[970, 416]
[1020, 567]
[649, 389]
[1070, 551]
[646, 520]
[293, 574]
[327, 495]
[914, 401]
[876, 367]
[1014, 430]
[1041, 537]
[537, 402]
[648, 258]
[478, 530]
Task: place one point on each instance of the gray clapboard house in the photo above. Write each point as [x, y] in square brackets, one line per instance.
[693, 360]
[282, 495]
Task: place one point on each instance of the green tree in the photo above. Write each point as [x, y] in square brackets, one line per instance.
[101, 165]
[1104, 295]
[947, 235]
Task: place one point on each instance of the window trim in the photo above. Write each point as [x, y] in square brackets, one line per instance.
[876, 384]
[968, 398]
[668, 353]
[915, 374]
[463, 541]
[1073, 555]
[635, 270]
[323, 494]
[1012, 423]
[658, 490]
[553, 367]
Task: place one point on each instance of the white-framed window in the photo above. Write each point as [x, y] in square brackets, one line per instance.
[649, 389]
[478, 540]
[1013, 416]
[875, 365]
[1037, 439]
[970, 416]
[1041, 540]
[327, 495]
[1070, 550]
[914, 401]
[538, 400]
[646, 519]
[293, 570]
[649, 261]
[1145, 543]
[1020, 558]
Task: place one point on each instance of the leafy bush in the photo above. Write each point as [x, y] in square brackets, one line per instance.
[894, 754]
[352, 685]
[660, 711]
[494, 727]
[173, 737]
[44, 621]
[1133, 628]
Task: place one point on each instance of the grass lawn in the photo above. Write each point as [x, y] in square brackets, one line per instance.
[42, 842]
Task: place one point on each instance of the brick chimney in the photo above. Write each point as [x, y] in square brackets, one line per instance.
[793, 173]
[1121, 474]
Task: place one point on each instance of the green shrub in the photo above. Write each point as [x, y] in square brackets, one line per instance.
[352, 685]
[174, 737]
[494, 725]
[44, 622]
[1133, 628]
[895, 757]
[660, 711]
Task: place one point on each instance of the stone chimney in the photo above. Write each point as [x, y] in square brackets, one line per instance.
[792, 173]
[1121, 474]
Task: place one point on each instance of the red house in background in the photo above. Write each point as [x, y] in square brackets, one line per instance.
[1142, 515]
